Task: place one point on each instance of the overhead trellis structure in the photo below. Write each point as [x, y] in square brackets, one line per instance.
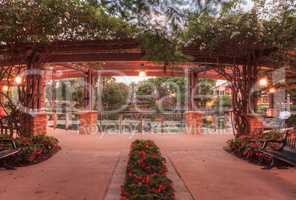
[103, 57]
[117, 50]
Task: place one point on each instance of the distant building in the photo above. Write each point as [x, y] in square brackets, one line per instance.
[222, 88]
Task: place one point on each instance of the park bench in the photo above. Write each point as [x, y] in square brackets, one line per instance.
[283, 150]
[7, 150]
[10, 125]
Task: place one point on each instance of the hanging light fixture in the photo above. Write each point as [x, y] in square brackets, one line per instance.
[173, 94]
[272, 90]
[263, 82]
[142, 74]
[18, 80]
[4, 88]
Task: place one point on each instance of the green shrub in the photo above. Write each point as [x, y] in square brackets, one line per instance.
[34, 149]
[146, 174]
[291, 122]
[249, 147]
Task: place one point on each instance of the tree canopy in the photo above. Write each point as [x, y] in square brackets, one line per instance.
[50, 20]
[253, 35]
[164, 28]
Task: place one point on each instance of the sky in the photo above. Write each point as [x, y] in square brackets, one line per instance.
[130, 79]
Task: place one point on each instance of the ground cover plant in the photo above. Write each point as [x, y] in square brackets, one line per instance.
[249, 147]
[33, 149]
[146, 174]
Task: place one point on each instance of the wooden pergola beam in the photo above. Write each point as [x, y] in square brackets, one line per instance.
[108, 50]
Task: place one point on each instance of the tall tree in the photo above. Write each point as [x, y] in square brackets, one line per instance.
[248, 39]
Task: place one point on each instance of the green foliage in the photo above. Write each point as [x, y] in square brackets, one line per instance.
[34, 149]
[146, 173]
[291, 122]
[213, 26]
[115, 95]
[292, 93]
[223, 101]
[249, 148]
[158, 47]
[243, 34]
[163, 87]
[50, 20]
[204, 92]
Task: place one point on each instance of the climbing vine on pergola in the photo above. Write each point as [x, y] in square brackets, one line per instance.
[250, 40]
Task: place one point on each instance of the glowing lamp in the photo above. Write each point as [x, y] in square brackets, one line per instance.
[18, 80]
[263, 82]
[5, 88]
[272, 90]
[142, 74]
[173, 94]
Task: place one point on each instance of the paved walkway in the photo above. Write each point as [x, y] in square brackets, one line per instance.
[83, 170]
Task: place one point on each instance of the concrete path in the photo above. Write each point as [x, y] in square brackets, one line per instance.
[70, 175]
[83, 170]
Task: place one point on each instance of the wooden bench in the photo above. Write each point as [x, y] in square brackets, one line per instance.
[283, 150]
[7, 150]
[9, 125]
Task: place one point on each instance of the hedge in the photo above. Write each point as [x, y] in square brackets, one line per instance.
[33, 150]
[146, 177]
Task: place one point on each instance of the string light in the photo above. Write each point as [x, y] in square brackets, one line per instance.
[4, 88]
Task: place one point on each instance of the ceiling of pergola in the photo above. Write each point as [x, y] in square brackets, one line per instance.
[123, 68]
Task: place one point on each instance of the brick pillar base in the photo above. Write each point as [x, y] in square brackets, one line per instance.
[255, 124]
[194, 122]
[88, 122]
[36, 124]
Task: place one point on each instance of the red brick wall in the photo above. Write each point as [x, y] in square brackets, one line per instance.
[36, 124]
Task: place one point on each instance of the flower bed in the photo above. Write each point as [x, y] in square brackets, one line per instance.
[34, 149]
[248, 147]
[146, 174]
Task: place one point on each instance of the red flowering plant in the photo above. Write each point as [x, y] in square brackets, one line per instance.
[250, 147]
[146, 174]
[33, 149]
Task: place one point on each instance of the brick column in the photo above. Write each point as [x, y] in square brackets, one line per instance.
[35, 120]
[88, 122]
[255, 124]
[194, 122]
[36, 124]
